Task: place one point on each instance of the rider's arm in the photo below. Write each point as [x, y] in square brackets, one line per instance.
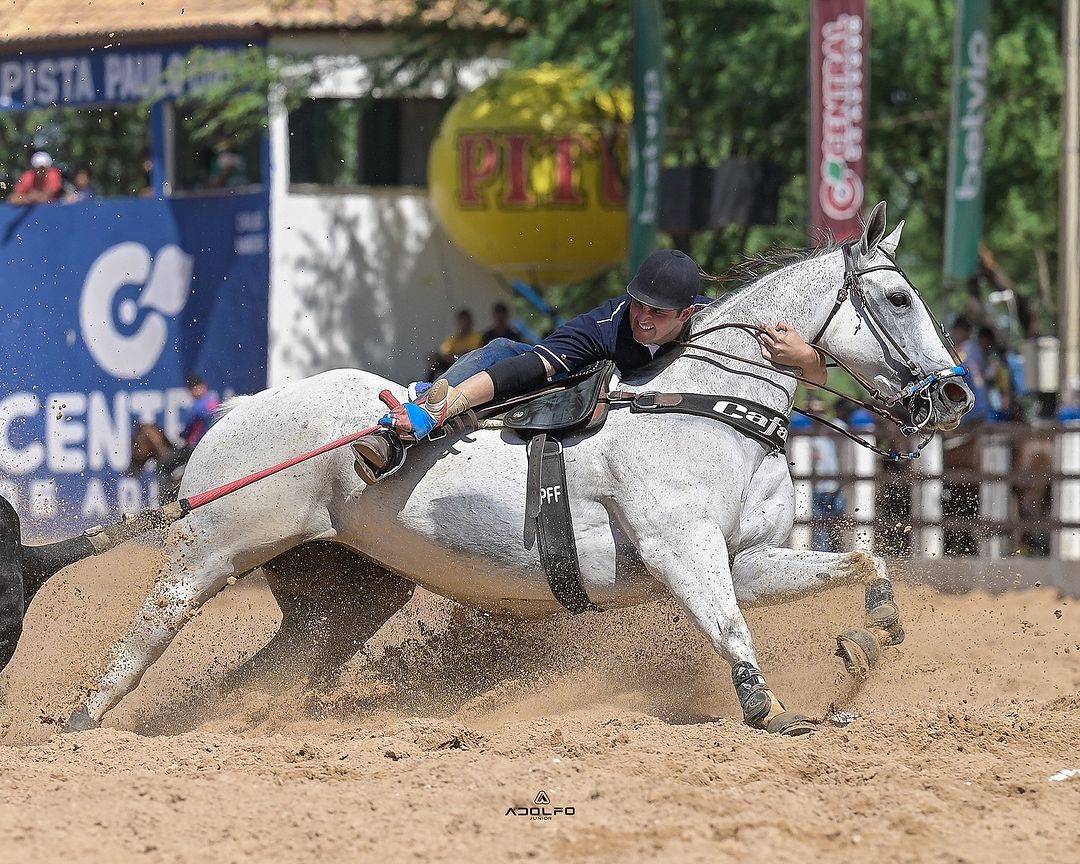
[783, 345]
[572, 346]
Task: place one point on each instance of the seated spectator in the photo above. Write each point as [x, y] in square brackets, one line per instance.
[461, 341]
[501, 328]
[81, 187]
[228, 168]
[40, 183]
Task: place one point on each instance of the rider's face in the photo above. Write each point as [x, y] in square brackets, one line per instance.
[657, 326]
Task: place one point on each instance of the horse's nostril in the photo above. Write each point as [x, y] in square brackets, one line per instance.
[955, 393]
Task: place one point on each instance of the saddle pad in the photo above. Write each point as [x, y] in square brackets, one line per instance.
[565, 409]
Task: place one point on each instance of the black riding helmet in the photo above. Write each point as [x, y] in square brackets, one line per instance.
[667, 279]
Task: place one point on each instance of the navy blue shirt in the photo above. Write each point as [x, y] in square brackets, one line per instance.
[602, 334]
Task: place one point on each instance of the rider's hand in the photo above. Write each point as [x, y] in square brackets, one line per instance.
[781, 344]
[420, 419]
[411, 420]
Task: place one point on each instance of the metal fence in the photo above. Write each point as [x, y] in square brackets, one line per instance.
[997, 491]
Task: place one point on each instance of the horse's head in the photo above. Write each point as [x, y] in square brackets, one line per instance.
[881, 328]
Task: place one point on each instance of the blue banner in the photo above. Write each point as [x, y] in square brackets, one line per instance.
[108, 305]
[102, 76]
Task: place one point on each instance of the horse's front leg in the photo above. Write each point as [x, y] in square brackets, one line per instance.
[763, 570]
[691, 559]
[773, 574]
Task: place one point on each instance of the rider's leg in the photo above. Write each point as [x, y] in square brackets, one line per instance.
[484, 358]
[382, 453]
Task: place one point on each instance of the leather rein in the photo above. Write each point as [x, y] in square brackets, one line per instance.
[915, 390]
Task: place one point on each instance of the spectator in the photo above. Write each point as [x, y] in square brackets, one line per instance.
[148, 190]
[200, 416]
[228, 168]
[1003, 404]
[501, 328]
[463, 340]
[40, 183]
[972, 356]
[81, 187]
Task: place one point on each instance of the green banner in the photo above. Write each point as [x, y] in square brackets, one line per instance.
[648, 139]
[967, 132]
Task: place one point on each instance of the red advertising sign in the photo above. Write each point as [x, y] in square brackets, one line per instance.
[839, 91]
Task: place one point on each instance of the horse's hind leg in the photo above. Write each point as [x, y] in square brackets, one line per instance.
[332, 602]
[183, 585]
[770, 573]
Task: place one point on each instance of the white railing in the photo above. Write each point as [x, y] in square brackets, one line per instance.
[993, 492]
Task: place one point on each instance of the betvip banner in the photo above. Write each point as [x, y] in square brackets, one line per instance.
[839, 99]
[970, 90]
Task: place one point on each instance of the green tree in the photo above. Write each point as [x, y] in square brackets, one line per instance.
[737, 86]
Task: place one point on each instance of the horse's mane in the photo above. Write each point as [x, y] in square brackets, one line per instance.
[755, 267]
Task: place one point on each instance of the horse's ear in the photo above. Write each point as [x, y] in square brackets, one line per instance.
[890, 243]
[874, 231]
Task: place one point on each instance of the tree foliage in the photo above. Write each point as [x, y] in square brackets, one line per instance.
[736, 85]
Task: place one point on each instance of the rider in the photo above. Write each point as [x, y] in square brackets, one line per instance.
[632, 330]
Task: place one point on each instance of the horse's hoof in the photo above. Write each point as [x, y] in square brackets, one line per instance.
[860, 651]
[80, 721]
[790, 723]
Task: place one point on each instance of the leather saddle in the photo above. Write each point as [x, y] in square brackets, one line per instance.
[573, 405]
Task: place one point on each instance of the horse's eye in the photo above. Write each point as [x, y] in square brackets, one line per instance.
[899, 299]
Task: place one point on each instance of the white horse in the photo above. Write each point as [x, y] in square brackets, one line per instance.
[666, 503]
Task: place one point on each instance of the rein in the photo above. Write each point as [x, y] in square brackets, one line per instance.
[881, 405]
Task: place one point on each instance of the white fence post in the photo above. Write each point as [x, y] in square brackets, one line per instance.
[1067, 495]
[930, 541]
[863, 510]
[801, 461]
[994, 494]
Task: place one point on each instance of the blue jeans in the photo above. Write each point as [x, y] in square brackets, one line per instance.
[484, 358]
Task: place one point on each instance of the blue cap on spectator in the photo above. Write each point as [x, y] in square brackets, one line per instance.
[861, 419]
[1069, 412]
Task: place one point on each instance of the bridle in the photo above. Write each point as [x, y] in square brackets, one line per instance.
[914, 395]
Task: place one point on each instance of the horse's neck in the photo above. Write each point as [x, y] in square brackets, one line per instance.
[801, 294]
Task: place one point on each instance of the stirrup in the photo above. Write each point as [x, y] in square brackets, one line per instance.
[395, 458]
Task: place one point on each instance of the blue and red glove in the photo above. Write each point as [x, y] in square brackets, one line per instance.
[419, 419]
[412, 419]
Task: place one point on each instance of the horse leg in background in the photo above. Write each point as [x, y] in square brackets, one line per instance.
[691, 559]
[763, 570]
[332, 602]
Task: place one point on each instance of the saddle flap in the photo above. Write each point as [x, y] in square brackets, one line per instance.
[564, 409]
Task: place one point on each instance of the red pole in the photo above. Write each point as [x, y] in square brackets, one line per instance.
[196, 501]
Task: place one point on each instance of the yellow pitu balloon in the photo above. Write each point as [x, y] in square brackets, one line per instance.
[528, 175]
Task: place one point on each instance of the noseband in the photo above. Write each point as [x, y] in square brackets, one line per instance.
[913, 395]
